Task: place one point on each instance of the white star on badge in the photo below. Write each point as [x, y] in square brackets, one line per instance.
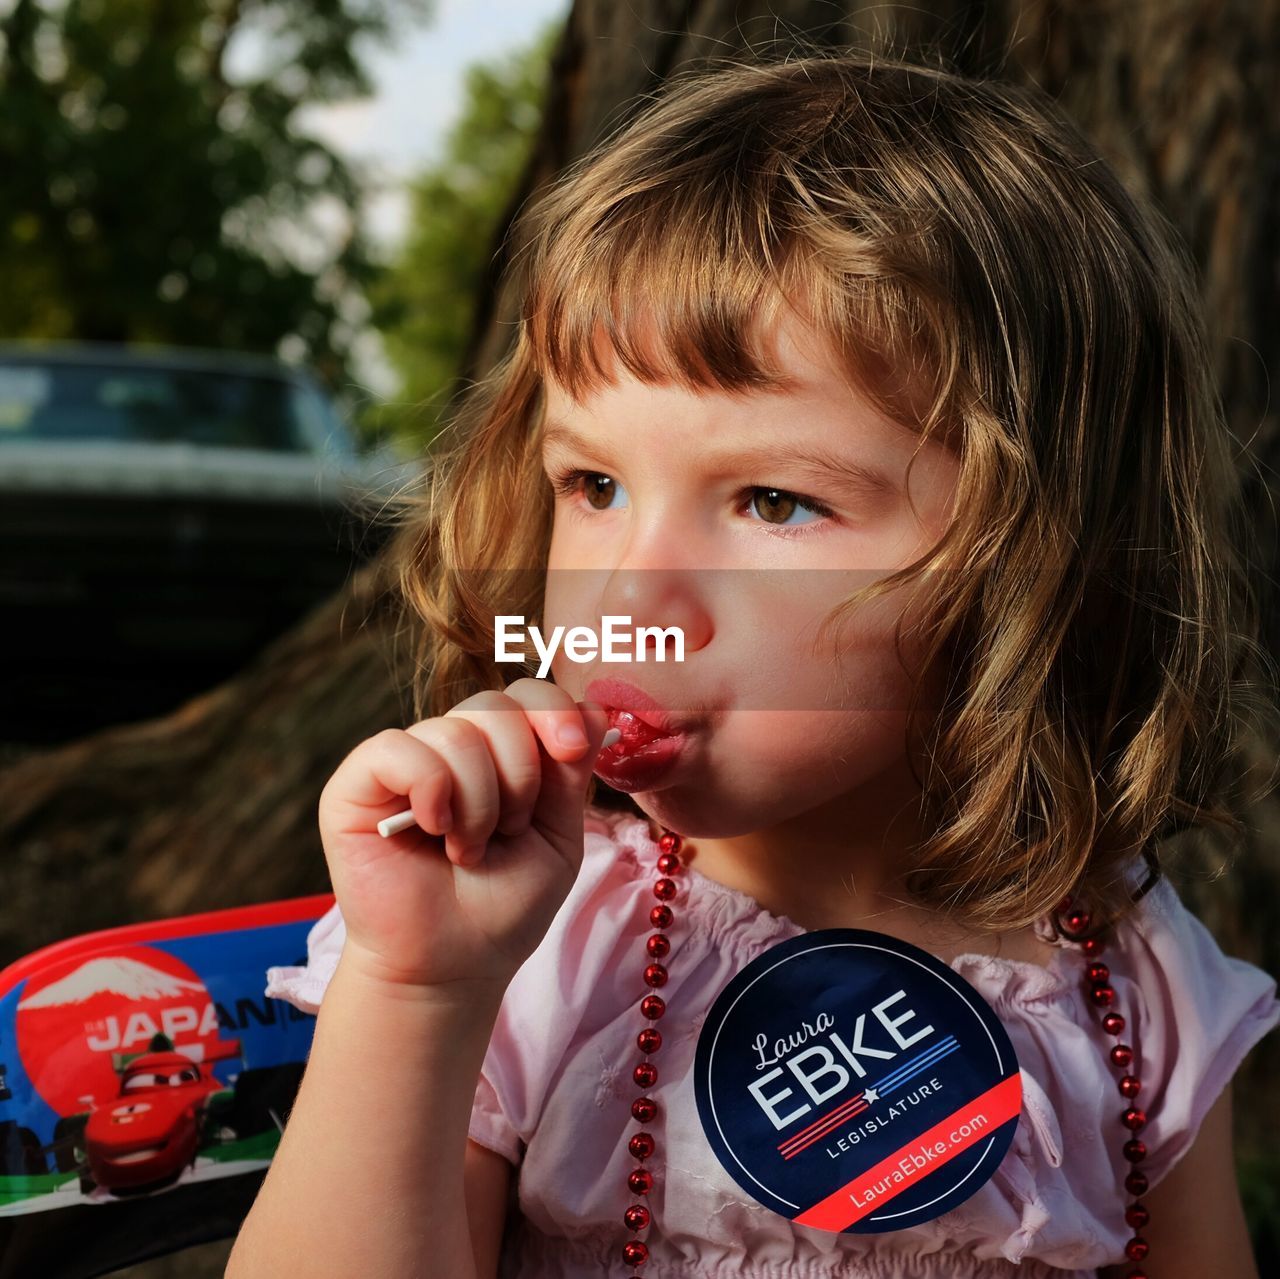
[870, 1094]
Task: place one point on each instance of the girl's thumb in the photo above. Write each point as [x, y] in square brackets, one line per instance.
[561, 804]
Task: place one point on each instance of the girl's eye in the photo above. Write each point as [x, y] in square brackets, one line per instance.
[775, 506]
[599, 489]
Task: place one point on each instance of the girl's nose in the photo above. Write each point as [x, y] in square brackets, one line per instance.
[661, 599]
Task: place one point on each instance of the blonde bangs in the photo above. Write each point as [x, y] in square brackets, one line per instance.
[679, 255]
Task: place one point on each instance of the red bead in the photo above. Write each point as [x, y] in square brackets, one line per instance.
[1078, 920]
[1093, 946]
[649, 1040]
[1135, 1151]
[658, 946]
[1121, 1055]
[661, 916]
[1136, 1274]
[1113, 1023]
[1136, 1182]
[669, 842]
[1134, 1118]
[1136, 1215]
[636, 1217]
[640, 1181]
[652, 1006]
[1098, 972]
[634, 1253]
[669, 863]
[1137, 1248]
[642, 1145]
[1102, 994]
[644, 1109]
[645, 1074]
[1064, 904]
[1130, 1086]
[664, 889]
[655, 975]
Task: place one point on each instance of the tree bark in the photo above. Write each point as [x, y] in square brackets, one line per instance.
[214, 805]
[210, 806]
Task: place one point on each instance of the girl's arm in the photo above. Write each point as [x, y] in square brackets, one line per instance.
[488, 1178]
[368, 1178]
[1198, 1224]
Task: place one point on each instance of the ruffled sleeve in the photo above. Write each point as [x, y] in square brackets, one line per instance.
[1192, 1013]
[304, 986]
[499, 1091]
[1199, 1013]
[542, 1008]
[548, 1005]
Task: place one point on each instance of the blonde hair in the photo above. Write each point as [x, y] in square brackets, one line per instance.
[985, 277]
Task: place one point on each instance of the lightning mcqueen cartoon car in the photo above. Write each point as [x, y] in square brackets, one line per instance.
[154, 1128]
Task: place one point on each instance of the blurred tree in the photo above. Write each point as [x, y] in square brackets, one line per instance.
[152, 194]
[424, 303]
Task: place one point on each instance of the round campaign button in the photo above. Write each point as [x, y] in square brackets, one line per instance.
[853, 1082]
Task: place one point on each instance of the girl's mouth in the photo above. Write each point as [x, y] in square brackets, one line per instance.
[641, 756]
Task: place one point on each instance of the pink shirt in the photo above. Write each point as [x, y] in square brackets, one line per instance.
[555, 1090]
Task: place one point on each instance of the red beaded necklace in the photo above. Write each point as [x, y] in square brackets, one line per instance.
[1075, 922]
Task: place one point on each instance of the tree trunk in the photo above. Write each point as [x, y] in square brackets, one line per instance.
[214, 805]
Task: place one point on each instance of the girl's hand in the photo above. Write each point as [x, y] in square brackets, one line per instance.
[462, 899]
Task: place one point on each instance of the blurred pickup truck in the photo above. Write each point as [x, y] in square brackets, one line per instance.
[164, 514]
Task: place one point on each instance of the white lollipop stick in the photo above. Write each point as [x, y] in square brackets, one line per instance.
[389, 826]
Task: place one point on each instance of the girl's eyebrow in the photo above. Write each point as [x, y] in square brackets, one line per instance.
[811, 462]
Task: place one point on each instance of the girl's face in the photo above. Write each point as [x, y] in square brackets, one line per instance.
[744, 520]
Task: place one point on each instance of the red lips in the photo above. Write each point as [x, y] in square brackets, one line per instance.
[642, 711]
[652, 741]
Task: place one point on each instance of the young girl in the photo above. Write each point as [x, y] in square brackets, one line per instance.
[875, 383]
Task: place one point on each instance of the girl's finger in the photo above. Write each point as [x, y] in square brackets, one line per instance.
[513, 747]
[559, 810]
[375, 778]
[474, 803]
[556, 718]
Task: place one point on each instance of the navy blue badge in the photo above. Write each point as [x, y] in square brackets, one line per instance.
[853, 1082]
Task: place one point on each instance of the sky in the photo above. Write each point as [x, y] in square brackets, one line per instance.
[419, 94]
[400, 130]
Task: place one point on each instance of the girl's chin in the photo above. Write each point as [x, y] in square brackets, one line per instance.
[693, 815]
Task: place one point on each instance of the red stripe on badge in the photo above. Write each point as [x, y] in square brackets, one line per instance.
[922, 1156]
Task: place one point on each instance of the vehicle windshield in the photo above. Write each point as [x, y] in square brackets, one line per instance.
[57, 400]
[151, 1079]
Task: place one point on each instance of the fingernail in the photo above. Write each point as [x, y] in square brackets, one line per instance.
[571, 736]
